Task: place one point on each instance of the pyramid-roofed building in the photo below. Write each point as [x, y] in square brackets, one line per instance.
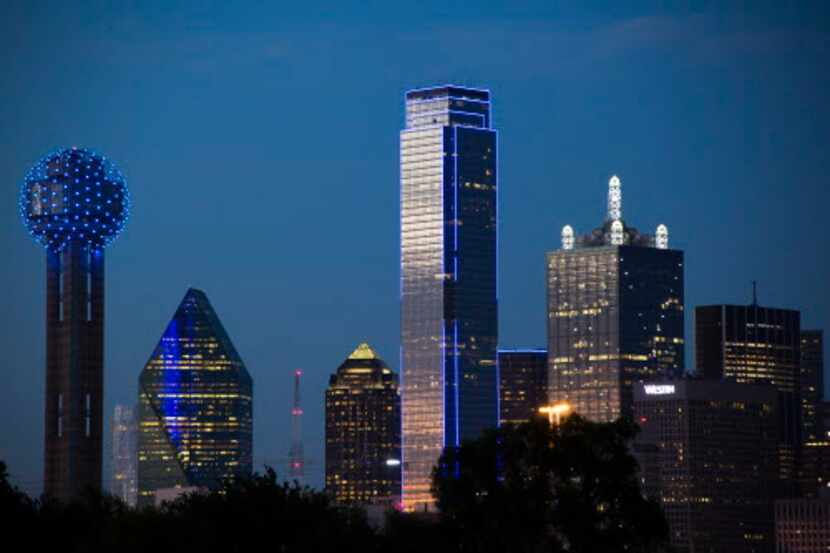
[195, 405]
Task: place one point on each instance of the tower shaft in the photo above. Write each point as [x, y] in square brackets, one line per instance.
[296, 459]
[74, 370]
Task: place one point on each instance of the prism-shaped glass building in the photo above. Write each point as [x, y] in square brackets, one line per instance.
[195, 405]
[449, 314]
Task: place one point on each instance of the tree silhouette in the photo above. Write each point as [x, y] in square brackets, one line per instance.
[537, 487]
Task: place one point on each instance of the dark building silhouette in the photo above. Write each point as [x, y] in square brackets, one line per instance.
[523, 379]
[708, 452]
[449, 308]
[195, 406]
[74, 202]
[750, 343]
[814, 471]
[363, 448]
[812, 384]
[615, 314]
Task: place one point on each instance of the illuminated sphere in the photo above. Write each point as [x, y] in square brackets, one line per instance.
[74, 195]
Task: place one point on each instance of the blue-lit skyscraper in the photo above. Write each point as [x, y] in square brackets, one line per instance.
[449, 313]
[195, 405]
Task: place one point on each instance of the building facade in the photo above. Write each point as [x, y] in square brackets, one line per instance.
[615, 314]
[363, 431]
[708, 452]
[750, 343]
[125, 454]
[814, 471]
[449, 313]
[523, 384]
[195, 405]
[803, 525]
[74, 202]
[812, 384]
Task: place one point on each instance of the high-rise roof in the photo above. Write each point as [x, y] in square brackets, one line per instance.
[614, 231]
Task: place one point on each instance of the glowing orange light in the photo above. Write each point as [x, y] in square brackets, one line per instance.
[556, 411]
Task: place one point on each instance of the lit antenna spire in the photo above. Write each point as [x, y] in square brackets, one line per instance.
[661, 237]
[614, 199]
[617, 233]
[296, 461]
[567, 237]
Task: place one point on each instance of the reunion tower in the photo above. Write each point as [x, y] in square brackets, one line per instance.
[74, 202]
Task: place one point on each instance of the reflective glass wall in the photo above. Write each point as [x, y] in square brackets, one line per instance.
[615, 317]
[448, 278]
[195, 405]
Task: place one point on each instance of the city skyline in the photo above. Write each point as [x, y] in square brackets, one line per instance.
[721, 212]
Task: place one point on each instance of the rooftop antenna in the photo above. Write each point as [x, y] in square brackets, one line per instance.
[614, 198]
[755, 293]
[296, 460]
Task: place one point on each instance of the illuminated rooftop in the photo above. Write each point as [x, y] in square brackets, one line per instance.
[363, 368]
[614, 231]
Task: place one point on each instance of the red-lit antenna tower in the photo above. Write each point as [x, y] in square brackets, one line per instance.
[296, 461]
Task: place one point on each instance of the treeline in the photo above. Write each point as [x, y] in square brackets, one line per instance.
[531, 488]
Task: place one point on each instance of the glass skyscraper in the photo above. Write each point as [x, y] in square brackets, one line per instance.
[449, 313]
[812, 383]
[615, 314]
[195, 406]
[363, 430]
[124, 454]
[751, 343]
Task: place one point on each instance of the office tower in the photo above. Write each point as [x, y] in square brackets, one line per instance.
[803, 525]
[750, 343]
[714, 461]
[523, 380]
[296, 456]
[615, 314]
[195, 405]
[812, 384]
[814, 469]
[363, 430]
[125, 454]
[74, 202]
[449, 314]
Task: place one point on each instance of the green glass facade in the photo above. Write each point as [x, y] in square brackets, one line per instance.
[195, 406]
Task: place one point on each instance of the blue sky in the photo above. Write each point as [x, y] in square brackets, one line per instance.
[260, 145]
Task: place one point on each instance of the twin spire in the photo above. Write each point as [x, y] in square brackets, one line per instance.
[614, 215]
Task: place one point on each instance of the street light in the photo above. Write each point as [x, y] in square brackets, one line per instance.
[555, 411]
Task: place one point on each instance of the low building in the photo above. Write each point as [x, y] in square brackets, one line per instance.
[815, 467]
[523, 380]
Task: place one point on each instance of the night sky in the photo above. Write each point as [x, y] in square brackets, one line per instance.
[261, 150]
